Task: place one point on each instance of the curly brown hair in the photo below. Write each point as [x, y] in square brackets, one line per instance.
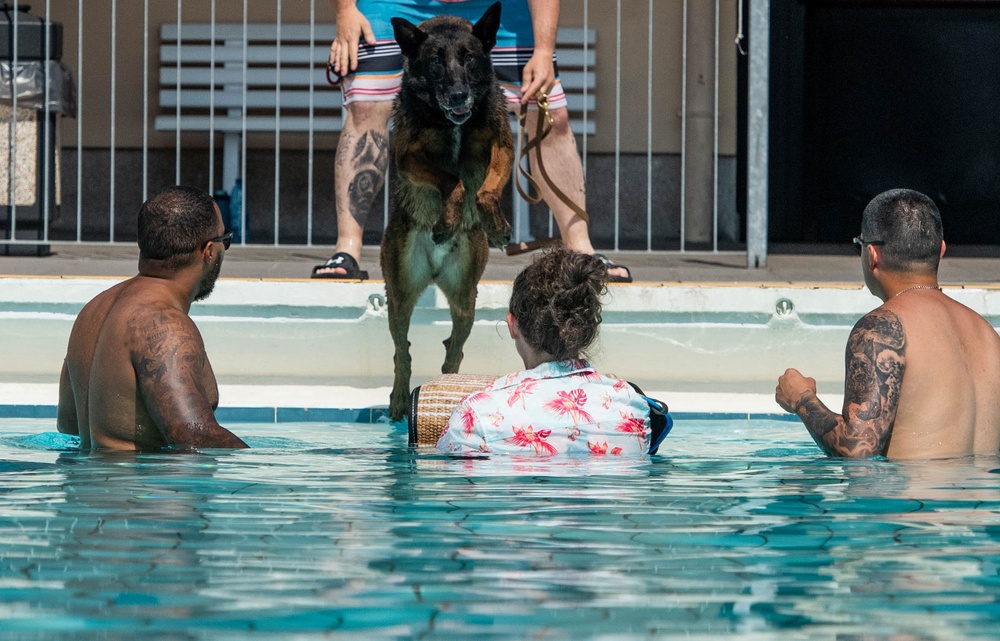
[557, 302]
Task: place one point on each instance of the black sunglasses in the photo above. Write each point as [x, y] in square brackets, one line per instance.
[226, 239]
[859, 243]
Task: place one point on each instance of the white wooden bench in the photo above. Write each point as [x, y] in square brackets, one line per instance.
[268, 81]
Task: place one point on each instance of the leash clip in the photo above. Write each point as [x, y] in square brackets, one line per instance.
[542, 99]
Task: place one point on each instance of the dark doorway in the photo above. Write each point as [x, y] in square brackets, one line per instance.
[875, 95]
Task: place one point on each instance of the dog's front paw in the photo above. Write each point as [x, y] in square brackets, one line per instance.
[499, 238]
[496, 225]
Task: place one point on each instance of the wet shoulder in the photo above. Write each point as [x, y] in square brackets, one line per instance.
[944, 327]
[100, 306]
[143, 318]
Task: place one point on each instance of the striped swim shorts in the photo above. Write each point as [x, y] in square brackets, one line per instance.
[380, 66]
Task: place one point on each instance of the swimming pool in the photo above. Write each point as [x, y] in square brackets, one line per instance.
[740, 530]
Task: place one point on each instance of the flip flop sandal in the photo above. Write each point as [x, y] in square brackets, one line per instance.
[344, 261]
[612, 265]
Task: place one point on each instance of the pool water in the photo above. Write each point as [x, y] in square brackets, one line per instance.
[739, 530]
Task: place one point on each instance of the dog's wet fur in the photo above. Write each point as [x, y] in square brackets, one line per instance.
[452, 154]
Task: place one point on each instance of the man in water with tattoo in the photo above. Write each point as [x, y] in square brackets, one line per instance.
[136, 375]
[923, 371]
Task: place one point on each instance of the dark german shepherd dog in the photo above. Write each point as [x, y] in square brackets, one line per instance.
[452, 153]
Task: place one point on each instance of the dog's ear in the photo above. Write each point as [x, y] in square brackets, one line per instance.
[408, 36]
[487, 26]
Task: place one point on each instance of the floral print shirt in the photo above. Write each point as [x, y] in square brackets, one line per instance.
[559, 407]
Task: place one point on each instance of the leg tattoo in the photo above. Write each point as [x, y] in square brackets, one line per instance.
[368, 159]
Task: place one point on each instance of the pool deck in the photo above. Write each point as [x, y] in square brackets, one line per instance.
[820, 265]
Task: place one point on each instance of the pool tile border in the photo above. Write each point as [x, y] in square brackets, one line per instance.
[354, 415]
[28, 411]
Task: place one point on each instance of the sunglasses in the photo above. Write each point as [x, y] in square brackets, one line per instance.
[859, 243]
[226, 239]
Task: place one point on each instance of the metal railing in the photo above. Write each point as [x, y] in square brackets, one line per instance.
[99, 184]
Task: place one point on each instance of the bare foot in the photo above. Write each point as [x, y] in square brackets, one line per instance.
[618, 272]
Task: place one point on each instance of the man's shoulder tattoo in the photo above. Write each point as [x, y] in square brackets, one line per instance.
[880, 326]
[876, 361]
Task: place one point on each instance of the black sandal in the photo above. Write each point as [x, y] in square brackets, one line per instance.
[346, 262]
[612, 278]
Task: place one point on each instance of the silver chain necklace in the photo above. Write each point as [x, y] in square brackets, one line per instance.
[916, 287]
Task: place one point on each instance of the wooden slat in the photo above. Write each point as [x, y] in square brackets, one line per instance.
[568, 36]
[574, 80]
[254, 123]
[299, 55]
[255, 54]
[202, 99]
[234, 31]
[256, 77]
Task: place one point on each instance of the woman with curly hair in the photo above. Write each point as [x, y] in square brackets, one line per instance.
[559, 403]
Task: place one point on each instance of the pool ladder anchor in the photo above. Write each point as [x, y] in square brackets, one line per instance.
[784, 308]
[376, 302]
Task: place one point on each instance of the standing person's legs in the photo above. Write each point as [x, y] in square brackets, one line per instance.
[564, 167]
[363, 149]
[558, 148]
[359, 171]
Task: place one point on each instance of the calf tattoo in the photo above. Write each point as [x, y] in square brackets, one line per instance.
[876, 360]
[368, 158]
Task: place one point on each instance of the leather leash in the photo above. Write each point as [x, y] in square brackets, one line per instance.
[542, 130]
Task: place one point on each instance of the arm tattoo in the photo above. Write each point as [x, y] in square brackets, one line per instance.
[875, 362]
[171, 374]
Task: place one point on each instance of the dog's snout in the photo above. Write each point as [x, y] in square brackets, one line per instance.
[459, 97]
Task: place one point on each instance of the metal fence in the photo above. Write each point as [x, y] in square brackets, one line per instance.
[92, 129]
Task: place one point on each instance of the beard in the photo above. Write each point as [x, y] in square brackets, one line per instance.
[208, 283]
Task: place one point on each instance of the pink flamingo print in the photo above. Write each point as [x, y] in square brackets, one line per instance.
[571, 403]
[467, 419]
[523, 389]
[632, 425]
[477, 397]
[527, 437]
[602, 449]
